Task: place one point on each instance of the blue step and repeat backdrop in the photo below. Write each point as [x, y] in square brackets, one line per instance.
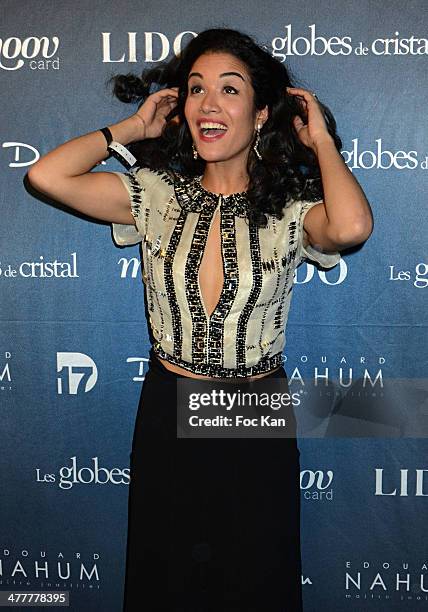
[74, 342]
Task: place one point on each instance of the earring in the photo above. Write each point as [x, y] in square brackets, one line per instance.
[256, 144]
[195, 153]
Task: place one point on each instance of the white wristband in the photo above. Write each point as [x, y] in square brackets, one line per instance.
[122, 154]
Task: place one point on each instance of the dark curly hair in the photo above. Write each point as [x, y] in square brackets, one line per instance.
[288, 168]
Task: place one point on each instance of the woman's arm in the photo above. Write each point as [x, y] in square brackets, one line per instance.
[345, 219]
[64, 174]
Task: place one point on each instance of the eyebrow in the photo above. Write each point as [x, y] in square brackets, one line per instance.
[224, 74]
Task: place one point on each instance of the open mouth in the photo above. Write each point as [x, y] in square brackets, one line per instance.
[210, 129]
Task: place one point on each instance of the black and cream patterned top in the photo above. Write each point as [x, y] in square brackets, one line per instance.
[245, 334]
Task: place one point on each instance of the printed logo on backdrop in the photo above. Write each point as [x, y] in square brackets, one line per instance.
[344, 370]
[140, 362]
[417, 276]
[68, 476]
[156, 46]
[307, 272]
[342, 395]
[38, 53]
[21, 149]
[77, 373]
[386, 580]
[26, 565]
[317, 485]
[43, 268]
[350, 396]
[131, 267]
[377, 157]
[5, 372]
[301, 43]
[401, 483]
[144, 47]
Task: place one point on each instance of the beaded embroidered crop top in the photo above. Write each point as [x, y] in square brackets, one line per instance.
[245, 334]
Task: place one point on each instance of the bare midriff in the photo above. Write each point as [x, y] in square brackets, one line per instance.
[184, 372]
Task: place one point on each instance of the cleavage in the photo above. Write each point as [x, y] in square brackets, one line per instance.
[210, 273]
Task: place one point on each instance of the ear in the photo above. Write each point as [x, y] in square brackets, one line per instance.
[262, 116]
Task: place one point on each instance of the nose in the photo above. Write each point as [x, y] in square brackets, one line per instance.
[209, 102]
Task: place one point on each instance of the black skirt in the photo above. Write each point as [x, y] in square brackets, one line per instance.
[213, 522]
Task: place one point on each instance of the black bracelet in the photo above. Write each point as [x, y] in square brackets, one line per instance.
[108, 135]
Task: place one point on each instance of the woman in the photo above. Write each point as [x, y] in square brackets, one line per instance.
[238, 179]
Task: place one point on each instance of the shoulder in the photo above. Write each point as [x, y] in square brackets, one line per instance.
[294, 209]
[307, 250]
[149, 179]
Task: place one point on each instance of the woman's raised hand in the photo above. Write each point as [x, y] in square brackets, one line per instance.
[314, 131]
[152, 114]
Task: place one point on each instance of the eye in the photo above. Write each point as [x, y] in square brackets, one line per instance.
[226, 87]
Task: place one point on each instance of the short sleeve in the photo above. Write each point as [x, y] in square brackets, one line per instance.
[138, 182]
[326, 260]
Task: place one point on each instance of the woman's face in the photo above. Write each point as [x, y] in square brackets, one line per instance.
[220, 92]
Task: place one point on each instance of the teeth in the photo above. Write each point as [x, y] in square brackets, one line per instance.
[206, 125]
